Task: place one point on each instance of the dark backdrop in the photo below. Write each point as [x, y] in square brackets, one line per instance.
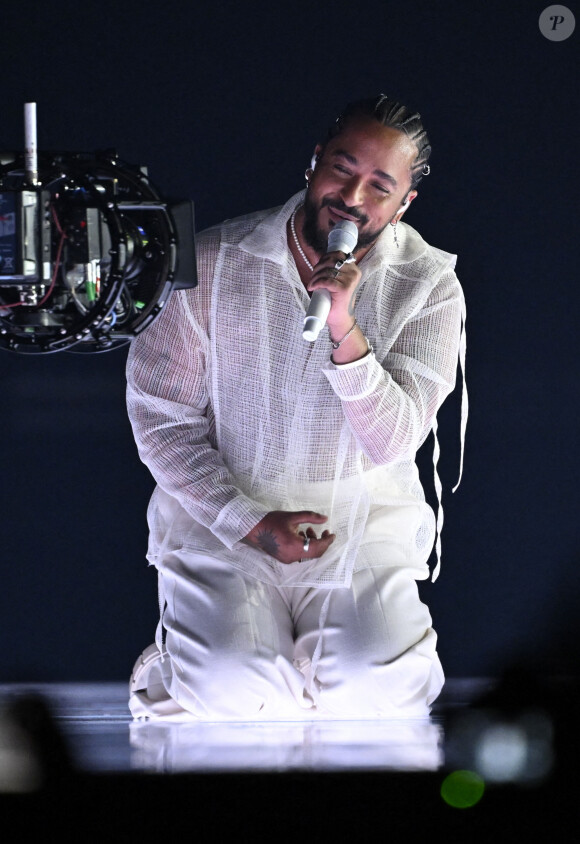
[224, 102]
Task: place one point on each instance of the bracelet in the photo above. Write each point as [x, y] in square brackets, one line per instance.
[348, 333]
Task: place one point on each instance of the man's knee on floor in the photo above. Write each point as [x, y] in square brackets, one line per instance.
[379, 690]
[230, 688]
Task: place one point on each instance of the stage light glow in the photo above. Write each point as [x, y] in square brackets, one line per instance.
[462, 789]
[501, 753]
[516, 751]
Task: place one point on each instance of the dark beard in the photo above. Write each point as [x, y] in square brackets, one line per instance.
[318, 240]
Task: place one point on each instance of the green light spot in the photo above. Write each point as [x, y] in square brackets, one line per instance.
[139, 305]
[462, 789]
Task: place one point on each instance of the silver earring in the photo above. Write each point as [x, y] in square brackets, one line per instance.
[394, 225]
[307, 174]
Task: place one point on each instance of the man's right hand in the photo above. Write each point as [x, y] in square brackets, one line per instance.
[279, 535]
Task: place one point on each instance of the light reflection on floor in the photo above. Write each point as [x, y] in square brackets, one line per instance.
[94, 721]
[323, 746]
[497, 761]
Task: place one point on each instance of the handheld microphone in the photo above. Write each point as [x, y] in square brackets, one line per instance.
[342, 237]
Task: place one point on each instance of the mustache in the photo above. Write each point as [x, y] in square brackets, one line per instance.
[340, 206]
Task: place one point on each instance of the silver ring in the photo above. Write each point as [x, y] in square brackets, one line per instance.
[306, 543]
[339, 264]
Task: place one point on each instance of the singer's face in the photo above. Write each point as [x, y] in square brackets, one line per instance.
[364, 175]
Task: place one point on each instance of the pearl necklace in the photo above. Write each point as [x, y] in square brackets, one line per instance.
[298, 247]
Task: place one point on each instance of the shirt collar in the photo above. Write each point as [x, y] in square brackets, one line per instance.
[269, 239]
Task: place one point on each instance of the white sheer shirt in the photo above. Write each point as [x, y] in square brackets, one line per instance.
[235, 415]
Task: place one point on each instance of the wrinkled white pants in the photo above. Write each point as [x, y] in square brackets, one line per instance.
[238, 649]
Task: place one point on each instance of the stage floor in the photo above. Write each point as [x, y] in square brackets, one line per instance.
[96, 730]
[495, 761]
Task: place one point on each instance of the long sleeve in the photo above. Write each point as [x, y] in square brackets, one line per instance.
[167, 403]
[391, 406]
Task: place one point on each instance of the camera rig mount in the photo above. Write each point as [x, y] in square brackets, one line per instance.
[89, 250]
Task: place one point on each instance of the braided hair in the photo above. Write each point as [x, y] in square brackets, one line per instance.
[391, 113]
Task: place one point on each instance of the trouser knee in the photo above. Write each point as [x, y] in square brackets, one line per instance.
[239, 689]
[404, 687]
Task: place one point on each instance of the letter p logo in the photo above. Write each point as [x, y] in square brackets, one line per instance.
[557, 23]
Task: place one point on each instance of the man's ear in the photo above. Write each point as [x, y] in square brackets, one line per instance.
[410, 197]
[316, 157]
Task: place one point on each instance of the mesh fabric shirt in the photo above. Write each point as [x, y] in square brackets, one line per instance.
[236, 415]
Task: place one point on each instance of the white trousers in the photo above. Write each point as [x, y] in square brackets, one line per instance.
[238, 649]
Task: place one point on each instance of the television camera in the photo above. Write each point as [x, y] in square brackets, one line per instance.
[89, 250]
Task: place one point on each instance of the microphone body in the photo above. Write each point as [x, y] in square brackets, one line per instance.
[342, 237]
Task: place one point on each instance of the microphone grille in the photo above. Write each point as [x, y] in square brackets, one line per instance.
[343, 237]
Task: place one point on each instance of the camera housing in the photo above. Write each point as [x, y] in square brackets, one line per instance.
[89, 251]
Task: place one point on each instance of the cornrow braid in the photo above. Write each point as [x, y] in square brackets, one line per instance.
[397, 116]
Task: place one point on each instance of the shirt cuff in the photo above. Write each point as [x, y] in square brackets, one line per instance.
[237, 519]
[356, 379]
